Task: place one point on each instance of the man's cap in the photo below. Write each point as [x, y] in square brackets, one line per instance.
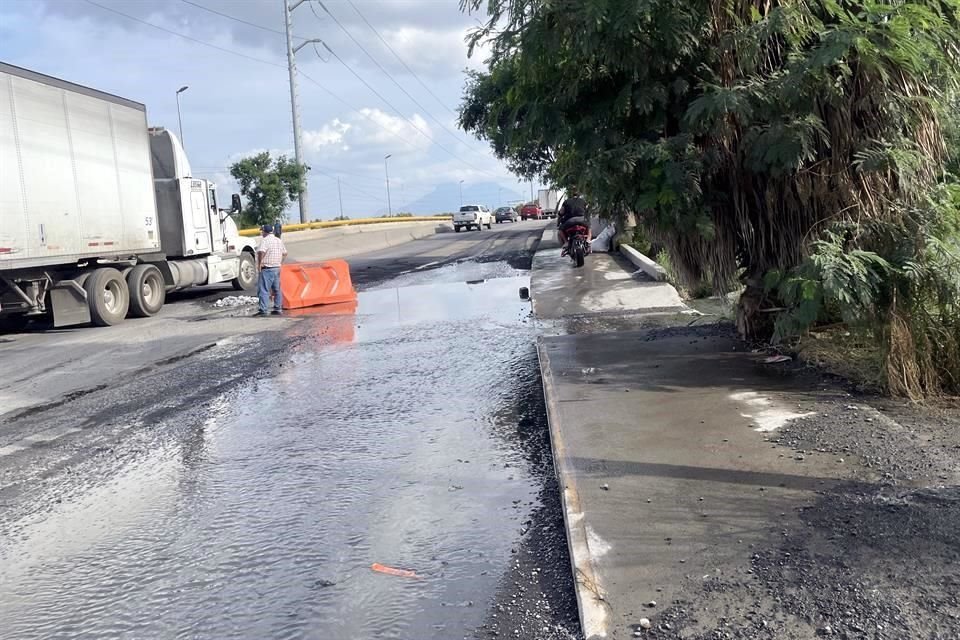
[268, 228]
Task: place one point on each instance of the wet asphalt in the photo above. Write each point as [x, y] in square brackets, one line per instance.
[246, 491]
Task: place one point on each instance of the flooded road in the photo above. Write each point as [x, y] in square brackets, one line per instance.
[409, 432]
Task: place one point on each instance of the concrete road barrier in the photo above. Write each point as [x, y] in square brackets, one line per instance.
[331, 224]
[342, 242]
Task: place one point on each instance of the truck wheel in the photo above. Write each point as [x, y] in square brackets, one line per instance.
[148, 291]
[247, 280]
[107, 296]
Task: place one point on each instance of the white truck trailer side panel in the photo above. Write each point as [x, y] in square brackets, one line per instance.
[548, 199]
[79, 182]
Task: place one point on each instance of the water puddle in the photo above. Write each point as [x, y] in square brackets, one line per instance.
[390, 434]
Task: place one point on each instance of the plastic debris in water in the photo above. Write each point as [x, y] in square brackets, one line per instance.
[391, 571]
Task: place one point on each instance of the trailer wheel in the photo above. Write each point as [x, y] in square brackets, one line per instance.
[148, 291]
[107, 296]
[247, 278]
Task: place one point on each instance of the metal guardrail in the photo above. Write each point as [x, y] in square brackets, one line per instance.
[328, 224]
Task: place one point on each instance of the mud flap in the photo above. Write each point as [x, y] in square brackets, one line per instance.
[68, 303]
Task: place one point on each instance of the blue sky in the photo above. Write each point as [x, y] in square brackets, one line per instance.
[237, 105]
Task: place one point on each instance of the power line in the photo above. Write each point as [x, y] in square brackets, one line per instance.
[357, 189]
[346, 184]
[355, 110]
[236, 19]
[397, 56]
[300, 72]
[399, 113]
[185, 37]
[248, 57]
[389, 75]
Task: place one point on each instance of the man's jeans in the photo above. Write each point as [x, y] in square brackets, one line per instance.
[269, 281]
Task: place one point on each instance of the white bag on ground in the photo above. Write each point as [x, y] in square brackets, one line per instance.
[601, 243]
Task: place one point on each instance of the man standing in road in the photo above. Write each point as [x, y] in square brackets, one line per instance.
[270, 255]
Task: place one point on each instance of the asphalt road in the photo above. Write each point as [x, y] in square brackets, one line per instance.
[512, 243]
[44, 366]
[207, 474]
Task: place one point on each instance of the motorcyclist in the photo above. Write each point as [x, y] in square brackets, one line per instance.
[572, 212]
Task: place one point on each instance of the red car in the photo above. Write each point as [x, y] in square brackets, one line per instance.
[531, 211]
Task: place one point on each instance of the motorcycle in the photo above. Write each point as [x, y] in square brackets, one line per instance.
[577, 245]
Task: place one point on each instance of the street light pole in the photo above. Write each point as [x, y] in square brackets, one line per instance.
[461, 193]
[340, 195]
[179, 119]
[386, 172]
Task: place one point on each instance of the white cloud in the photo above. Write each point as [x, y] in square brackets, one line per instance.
[432, 51]
[235, 103]
[331, 134]
[369, 133]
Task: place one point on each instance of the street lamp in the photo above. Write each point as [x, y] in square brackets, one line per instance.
[179, 119]
[461, 193]
[386, 171]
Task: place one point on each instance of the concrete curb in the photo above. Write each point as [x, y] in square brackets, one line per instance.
[591, 604]
[643, 263]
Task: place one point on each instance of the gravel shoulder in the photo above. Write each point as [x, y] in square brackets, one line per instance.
[878, 558]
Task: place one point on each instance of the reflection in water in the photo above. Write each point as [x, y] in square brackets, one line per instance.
[392, 434]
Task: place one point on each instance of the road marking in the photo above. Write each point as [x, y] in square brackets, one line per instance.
[426, 266]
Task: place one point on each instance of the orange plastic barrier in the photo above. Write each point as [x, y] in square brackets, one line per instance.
[305, 284]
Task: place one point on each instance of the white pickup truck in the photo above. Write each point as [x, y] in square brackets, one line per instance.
[101, 215]
[472, 215]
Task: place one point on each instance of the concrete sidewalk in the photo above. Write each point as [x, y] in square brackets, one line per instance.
[607, 284]
[659, 438]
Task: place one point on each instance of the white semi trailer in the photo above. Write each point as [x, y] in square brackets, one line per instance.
[549, 200]
[100, 215]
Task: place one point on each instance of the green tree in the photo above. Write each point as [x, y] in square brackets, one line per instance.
[742, 133]
[269, 186]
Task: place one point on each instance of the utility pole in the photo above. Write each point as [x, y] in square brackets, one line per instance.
[340, 194]
[531, 191]
[461, 193]
[294, 100]
[386, 171]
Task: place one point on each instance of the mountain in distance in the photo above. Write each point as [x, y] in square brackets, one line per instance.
[445, 198]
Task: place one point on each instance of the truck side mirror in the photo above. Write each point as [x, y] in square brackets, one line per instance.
[235, 205]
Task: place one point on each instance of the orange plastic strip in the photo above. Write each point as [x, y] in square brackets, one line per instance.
[402, 573]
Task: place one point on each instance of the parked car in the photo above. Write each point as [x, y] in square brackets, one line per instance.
[531, 211]
[472, 215]
[505, 214]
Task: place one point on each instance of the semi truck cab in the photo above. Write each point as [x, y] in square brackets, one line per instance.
[102, 214]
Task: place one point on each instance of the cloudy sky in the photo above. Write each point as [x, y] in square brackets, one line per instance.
[239, 101]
